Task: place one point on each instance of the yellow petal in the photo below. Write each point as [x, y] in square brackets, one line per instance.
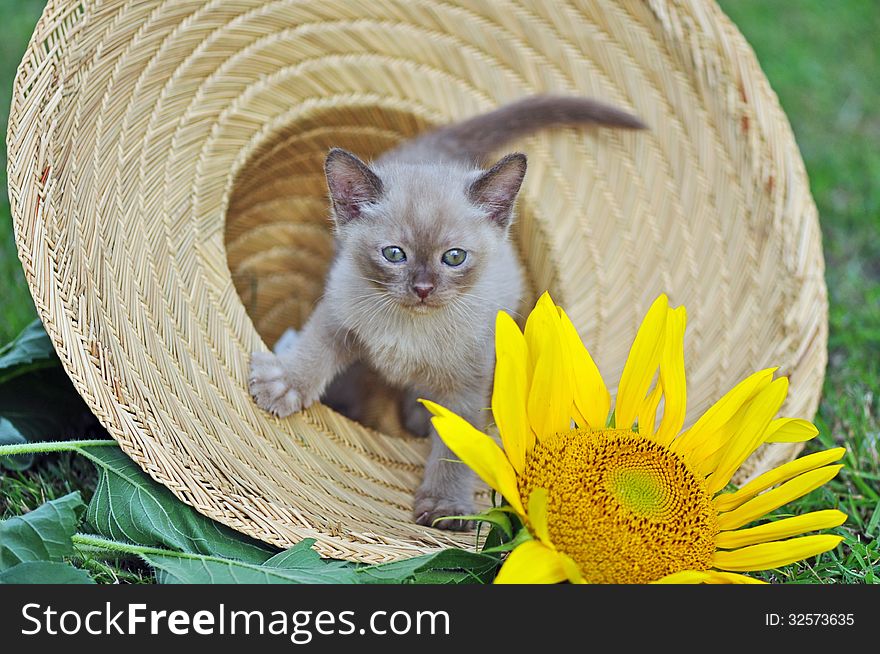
[750, 434]
[648, 410]
[571, 569]
[781, 529]
[672, 377]
[708, 464]
[774, 555]
[705, 437]
[538, 515]
[532, 563]
[591, 396]
[510, 391]
[538, 323]
[478, 451]
[641, 364]
[773, 499]
[729, 501]
[790, 430]
[550, 394]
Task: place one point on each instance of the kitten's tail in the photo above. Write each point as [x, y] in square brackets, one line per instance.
[475, 138]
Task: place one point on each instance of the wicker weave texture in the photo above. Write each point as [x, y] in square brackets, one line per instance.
[171, 217]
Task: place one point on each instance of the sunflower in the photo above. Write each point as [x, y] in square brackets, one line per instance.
[618, 497]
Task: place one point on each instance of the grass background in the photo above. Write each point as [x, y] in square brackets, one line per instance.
[823, 60]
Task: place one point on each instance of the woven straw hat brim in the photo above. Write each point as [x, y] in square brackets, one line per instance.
[171, 217]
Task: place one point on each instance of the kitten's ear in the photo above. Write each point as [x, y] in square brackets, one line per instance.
[496, 189]
[352, 184]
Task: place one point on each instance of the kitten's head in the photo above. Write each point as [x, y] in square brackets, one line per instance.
[422, 234]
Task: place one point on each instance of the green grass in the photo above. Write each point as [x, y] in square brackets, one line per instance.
[18, 18]
[822, 59]
[56, 476]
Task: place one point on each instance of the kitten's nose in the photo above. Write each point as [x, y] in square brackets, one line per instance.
[423, 289]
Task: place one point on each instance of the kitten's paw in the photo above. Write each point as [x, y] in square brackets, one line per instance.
[428, 509]
[273, 387]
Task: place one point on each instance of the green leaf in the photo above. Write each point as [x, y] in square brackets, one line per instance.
[9, 435]
[507, 546]
[302, 555]
[128, 505]
[43, 405]
[299, 556]
[44, 534]
[495, 516]
[37, 400]
[501, 534]
[451, 566]
[173, 569]
[44, 572]
[31, 348]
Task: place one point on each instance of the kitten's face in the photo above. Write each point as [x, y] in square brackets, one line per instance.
[423, 244]
[422, 241]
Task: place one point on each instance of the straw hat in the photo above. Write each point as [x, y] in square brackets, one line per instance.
[171, 217]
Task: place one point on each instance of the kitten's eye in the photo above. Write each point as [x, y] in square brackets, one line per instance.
[394, 254]
[454, 257]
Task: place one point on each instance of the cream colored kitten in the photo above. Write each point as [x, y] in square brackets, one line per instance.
[424, 262]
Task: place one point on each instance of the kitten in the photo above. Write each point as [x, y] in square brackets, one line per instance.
[424, 262]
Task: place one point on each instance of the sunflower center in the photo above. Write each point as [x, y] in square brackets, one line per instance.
[623, 507]
[641, 490]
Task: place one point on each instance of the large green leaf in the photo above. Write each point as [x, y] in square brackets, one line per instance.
[31, 348]
[38, 403]
[128, 505]
[298, 565]
[44, 534]
[43, 405]
[302, 555]
[37, 400]
[9, 435]
[451, 566]
[205, 570]
[44, 572]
